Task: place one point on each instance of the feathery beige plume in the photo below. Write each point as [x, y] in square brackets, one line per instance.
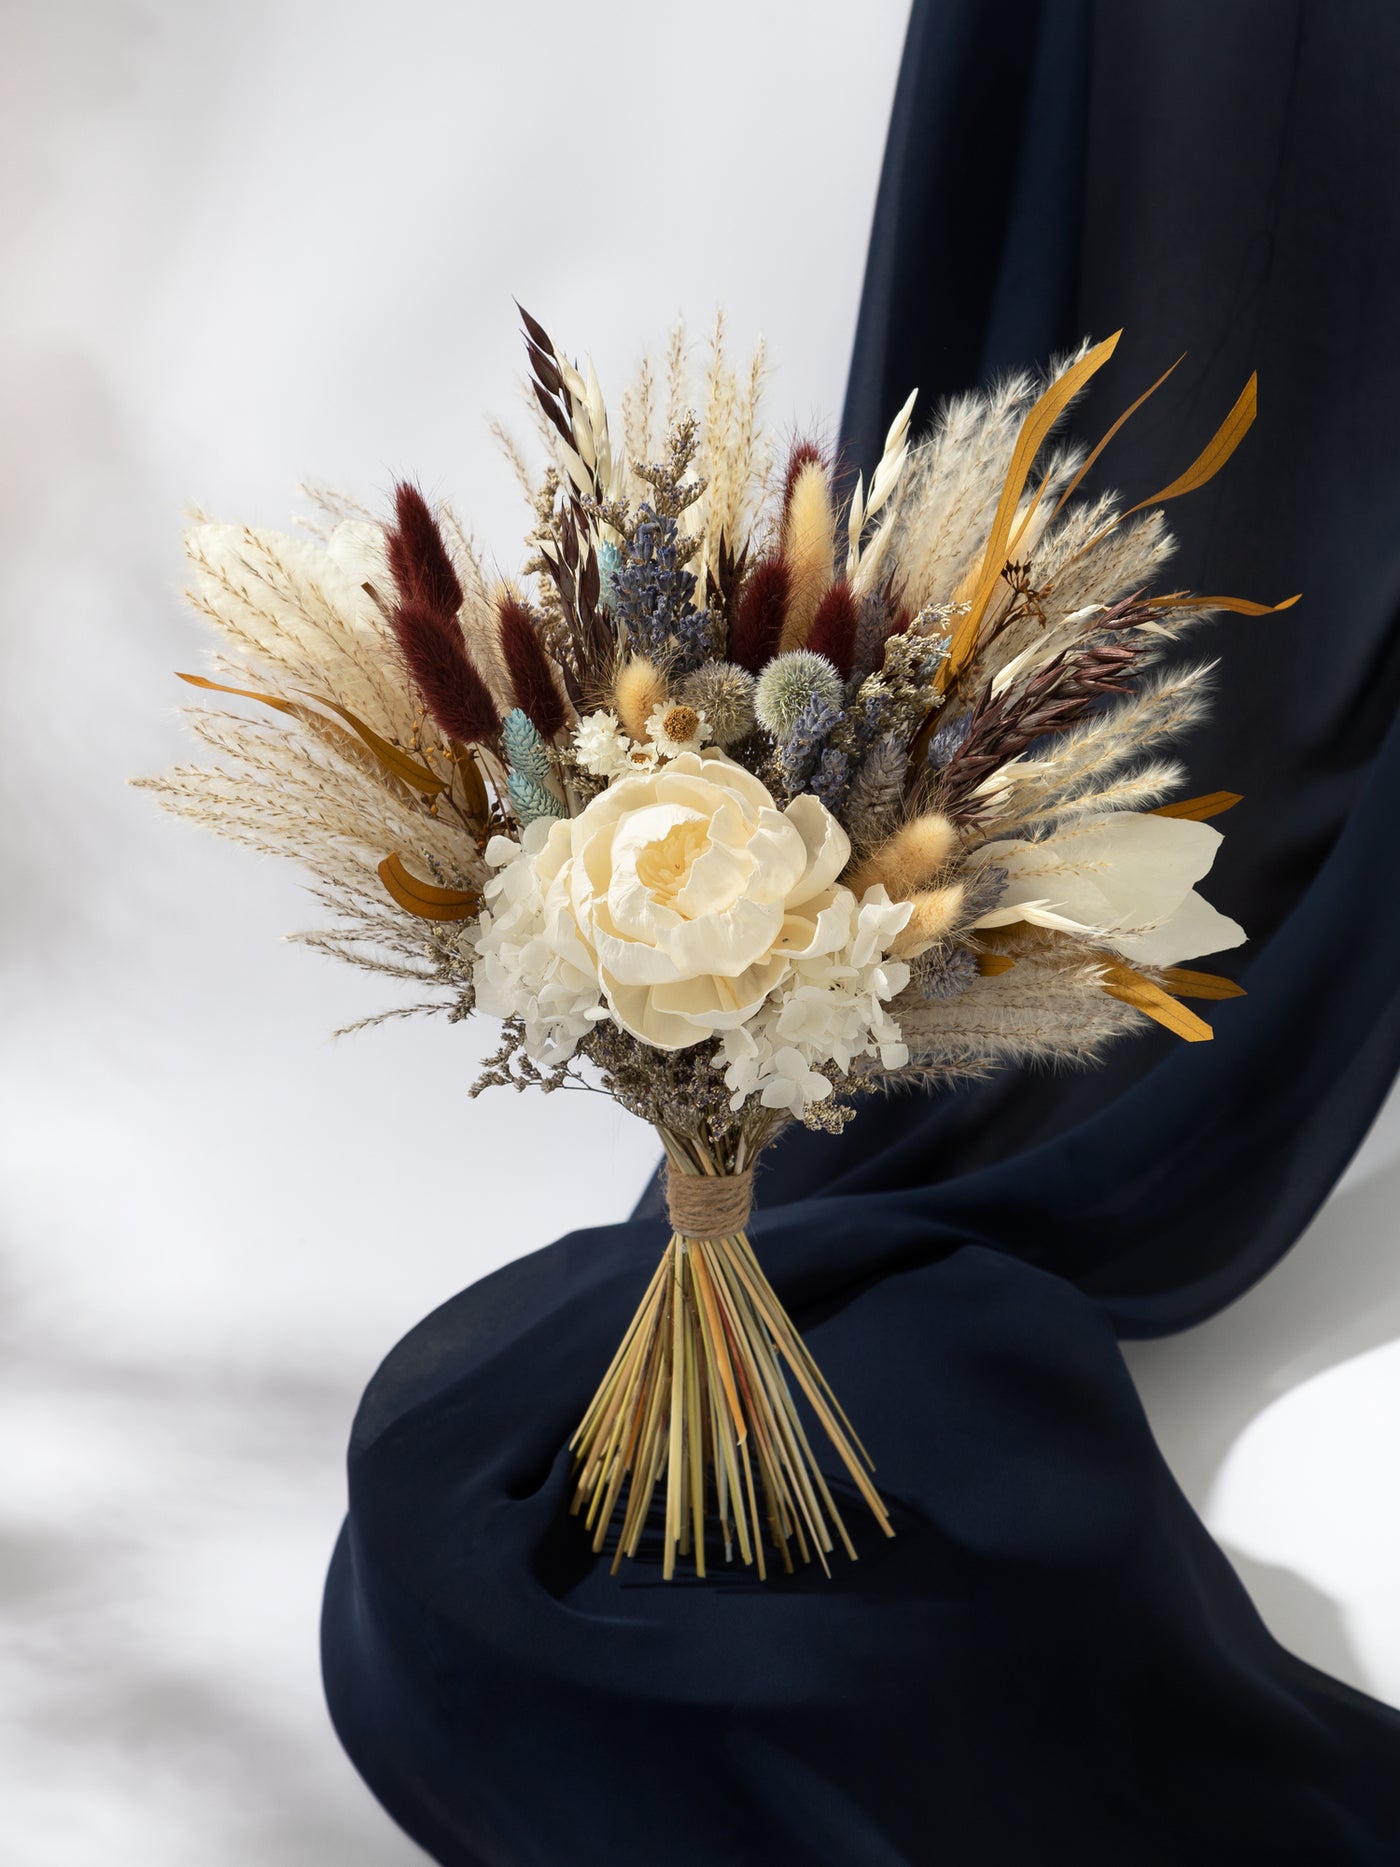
[809, 550]
[909, 859]
[638, 688]
[1085, 759]
[947, 497]
[1048, 1008]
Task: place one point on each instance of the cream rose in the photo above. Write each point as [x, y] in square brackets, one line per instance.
[693, 893]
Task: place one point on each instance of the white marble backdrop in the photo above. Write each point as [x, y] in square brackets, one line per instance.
[247, 244]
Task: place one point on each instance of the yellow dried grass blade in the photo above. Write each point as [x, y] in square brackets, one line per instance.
[1238, 605]
[1122, 982]
[1182, 983]
[991, 964]
[243, 693]
[1199, 809]
[1040, 419]
[1217, 451]
[407, 770]
[397, 763]
[426, 899]
[1125, 417]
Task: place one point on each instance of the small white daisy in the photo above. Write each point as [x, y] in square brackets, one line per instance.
[675, 727]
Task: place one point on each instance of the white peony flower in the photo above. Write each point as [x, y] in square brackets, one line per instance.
[696, 895]
[1126, 877]
[686, 904]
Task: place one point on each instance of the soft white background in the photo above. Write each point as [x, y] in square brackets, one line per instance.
[245, 244]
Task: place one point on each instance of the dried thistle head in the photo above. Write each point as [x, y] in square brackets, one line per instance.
[789, 685]
[724, 693]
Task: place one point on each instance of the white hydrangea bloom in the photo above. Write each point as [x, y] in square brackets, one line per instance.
[601, 745]
[530, 962]
[830, 1010]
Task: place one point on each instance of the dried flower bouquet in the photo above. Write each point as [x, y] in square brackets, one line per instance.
[752, 795]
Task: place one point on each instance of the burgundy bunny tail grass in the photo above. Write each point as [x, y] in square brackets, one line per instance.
[804, 454]
[531, 678]
[418, 556]
[833, 631]
[757, 627]
[453, 692]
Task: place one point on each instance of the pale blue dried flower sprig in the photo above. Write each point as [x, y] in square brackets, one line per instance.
[529, 770]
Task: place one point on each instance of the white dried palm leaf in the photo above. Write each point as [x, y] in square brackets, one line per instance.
[865, 557]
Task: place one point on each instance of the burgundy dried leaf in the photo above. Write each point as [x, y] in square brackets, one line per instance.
[591, 583]
[418, 556]
[757, 627]
[544, 367]
[535, 329]
[436, 656]
[531, 677]
[833, 631]
[552, 414]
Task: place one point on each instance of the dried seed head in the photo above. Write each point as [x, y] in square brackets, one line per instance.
[789, 684]
[680, 722]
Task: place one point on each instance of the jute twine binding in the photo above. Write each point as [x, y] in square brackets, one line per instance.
[711, 1206]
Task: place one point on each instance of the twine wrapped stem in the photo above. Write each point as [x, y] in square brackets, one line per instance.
[699, 1392]
[704, 1205]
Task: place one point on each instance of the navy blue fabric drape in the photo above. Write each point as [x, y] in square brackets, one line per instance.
[1051, 1662]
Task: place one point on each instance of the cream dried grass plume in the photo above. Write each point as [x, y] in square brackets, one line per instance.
[639, 688]
[1079, 767]
[1048, 1007]
[809, 550]
[948, 492]
[297, 616]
